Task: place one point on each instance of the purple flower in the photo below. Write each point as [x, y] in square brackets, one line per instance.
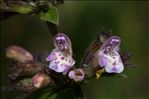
[76, 75]
[109, 57]
[61, 57]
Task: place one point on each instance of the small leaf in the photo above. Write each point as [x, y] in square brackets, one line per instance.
[22, 9]
[50, 16]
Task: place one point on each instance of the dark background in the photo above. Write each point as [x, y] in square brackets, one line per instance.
[81, 21]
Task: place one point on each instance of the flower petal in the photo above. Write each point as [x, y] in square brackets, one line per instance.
[60, 63]
[102, 59]
[114, 64]
[63, 43]
[76, 75]
[51, 56]
[111, 44]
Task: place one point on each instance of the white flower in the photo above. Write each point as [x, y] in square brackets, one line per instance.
[109, 57]
[61, 57]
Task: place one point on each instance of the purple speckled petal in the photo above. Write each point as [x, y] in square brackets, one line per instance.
[61, 39]
[53, 66]
[66, 70]
[114, 69]
[114, 65]
[61, 68]
[61, 63]
[57, 67]
[51, 56]
[102, 59]
[111, 44]
[63, 43]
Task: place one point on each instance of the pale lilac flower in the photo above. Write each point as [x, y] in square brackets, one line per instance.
[109, 57]
[76, 75]
[59, 62]
[61, 57]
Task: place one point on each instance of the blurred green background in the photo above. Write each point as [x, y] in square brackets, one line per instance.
[81, 20]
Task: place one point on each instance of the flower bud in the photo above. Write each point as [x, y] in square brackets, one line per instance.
[25, 85]
[76, 75]
[40, 79]
[19, 54]
[30, 68]
[24, 69]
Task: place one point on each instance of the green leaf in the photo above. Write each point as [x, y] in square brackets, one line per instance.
[22, 9]
[50, 16]
[48, 95]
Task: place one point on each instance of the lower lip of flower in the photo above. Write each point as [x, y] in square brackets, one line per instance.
[60, 62]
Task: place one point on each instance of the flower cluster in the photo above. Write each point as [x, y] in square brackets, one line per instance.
[61, 59]
[109, 59]
[103, 57]
[26, 72]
